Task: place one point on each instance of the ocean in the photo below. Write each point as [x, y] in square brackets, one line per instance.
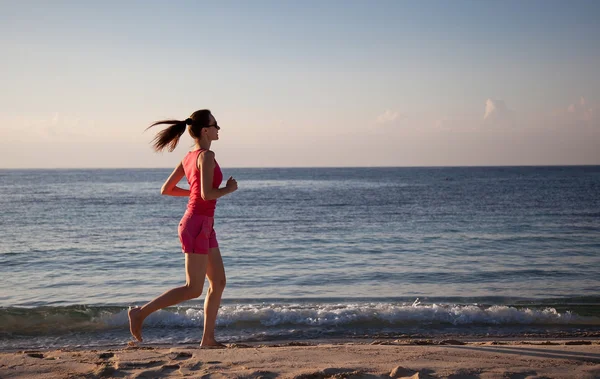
[310, 253]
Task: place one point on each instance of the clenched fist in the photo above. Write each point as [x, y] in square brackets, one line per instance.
[231, 184]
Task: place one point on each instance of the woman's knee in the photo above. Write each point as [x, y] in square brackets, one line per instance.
[218, 284]
[194, 290]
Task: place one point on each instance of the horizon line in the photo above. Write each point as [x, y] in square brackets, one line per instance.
[301, 167]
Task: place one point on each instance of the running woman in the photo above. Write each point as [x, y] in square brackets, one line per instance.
[196, 233]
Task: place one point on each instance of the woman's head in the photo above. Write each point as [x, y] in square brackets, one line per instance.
[202, 126]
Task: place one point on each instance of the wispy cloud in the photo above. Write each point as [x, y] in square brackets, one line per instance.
[388, 116]
[496, 112]
[582, 111]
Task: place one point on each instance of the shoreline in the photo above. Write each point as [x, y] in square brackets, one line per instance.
[417, 358]
[375, 340]
[383, 339]
[409, 341]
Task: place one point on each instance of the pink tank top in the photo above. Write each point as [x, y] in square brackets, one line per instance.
[196, 204]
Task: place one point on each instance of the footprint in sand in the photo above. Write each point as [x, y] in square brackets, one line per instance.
[164, 370]
[35, 355]
[141, 364]
[189, 370]
[106, 355]
[179, 355]
[406, 373]
[105, 371]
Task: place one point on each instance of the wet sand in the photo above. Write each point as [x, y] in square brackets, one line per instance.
[455, 359]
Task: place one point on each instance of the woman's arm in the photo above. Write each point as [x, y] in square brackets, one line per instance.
[207, 168]
[170, 187]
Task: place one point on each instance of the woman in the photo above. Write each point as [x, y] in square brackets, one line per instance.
[196, 233]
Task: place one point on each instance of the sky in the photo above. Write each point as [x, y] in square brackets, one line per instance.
[302, 84]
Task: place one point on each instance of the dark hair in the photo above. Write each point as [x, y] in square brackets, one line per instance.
[169, 137]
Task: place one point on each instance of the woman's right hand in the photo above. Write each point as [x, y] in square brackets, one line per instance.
[231, 184]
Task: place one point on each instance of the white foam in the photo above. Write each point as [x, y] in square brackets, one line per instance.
[359, 313]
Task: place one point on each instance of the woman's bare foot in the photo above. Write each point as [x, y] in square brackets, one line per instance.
[211, 343]
[135, 323]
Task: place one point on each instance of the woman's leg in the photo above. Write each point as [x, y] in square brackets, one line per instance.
[195, 272]
[216, 279]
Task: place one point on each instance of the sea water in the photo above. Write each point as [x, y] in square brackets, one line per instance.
[308, 252]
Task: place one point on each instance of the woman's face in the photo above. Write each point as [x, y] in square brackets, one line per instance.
[212, 131]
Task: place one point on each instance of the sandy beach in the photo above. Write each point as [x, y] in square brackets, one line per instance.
[348, 359]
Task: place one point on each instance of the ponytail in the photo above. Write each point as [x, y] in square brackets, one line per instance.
[169, 137]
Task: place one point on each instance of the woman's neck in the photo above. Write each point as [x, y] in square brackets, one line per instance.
[205, 145]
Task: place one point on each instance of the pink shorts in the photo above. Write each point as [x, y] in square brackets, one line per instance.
[196, 233]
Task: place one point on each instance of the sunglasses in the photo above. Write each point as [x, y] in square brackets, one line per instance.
[215, 125]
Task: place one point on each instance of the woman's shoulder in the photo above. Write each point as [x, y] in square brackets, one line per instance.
[206, 156]
[206, 152]
[201, 152]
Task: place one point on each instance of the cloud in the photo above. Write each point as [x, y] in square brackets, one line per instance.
[581, 111]
[579, 114]
[496, 112]
[388, 116]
